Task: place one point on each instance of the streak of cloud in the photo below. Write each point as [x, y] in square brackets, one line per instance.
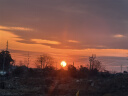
[45, 41]
[15, 28]
[73, 41]
[118, 36]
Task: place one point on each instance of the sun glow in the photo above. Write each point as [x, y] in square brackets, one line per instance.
[63, 63]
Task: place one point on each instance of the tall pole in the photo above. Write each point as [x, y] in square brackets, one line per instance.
[90, 59]
[7, 46]
[28, 59]
[121, 68]
[5, 56]
[3, 62]
[56, 65]
[41, 62]
[127, 66]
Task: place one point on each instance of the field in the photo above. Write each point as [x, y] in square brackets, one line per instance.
[113, 85]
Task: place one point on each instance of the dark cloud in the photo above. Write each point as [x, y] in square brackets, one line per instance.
[91, 22]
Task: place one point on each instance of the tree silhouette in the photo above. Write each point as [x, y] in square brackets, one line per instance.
[5, 60]
[95, 64]
[98, 65]
[72, 70]
[44, 61]
[83, 72]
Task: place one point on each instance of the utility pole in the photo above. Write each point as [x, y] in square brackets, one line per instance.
[4, 61]
[5, 56]
[7, 46]
[127, 66]
[41, 60]
[91, 59]
[121, 68]
[56, 65]
[28, 60]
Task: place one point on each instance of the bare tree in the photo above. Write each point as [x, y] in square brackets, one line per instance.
[44, 61]
[98, 65]
[95, 64]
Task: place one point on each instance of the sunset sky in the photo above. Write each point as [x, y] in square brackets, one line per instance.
[69, 30]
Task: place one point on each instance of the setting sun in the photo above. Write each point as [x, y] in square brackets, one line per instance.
[63, 63]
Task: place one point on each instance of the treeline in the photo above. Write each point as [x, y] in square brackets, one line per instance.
[45, 68]
[50, 71]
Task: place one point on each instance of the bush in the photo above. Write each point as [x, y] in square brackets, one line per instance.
[72, 71]
[93, 72]
[19, 71]
[83, 72]
[49, 71]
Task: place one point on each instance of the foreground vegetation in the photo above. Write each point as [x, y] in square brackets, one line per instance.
[47, 81]
[25, 81]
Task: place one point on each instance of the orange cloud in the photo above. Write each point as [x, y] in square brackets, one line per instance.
[118, 36]
[59, 54]
[45, 41]
[73, 41]
[15, 28]
[13, 44]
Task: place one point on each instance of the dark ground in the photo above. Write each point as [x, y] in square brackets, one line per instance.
[115, 85]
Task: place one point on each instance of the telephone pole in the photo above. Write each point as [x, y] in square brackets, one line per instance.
[73, 63]
[28, 60]
[7, 46]
[56, 65]
[91, 59]
[121, 68]
[5, 56]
